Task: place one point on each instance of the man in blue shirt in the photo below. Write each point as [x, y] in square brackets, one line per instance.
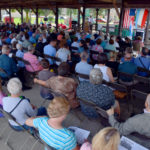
[7, 63]
[83, 67]
[50, 49]
[33, 38]
[143, 61]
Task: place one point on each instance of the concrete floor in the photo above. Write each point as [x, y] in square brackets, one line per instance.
[75, 118]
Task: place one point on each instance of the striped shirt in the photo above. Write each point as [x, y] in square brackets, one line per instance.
[60, 139]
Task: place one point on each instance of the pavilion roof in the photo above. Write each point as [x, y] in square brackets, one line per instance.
[73, 3]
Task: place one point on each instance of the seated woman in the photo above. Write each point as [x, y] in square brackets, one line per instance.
[98, 46]
[44, 75]
[63, 53]
[106, 139]
[106, 71]
[94, 91]
[62, 84]
[51, 129]
[32, 59]
[19, 106]
[110, 45]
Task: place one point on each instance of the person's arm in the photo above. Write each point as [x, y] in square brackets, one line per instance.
[129, 126]
[110, 75]
[77, 147]
[69, 57]
[40, 82]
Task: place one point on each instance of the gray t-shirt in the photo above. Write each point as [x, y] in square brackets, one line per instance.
[83, 68]
[44, 75]
[23, 111]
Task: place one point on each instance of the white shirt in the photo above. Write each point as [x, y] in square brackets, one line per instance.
[63, 54]
[13, 40]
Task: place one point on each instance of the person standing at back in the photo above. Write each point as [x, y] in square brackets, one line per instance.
[50, 49]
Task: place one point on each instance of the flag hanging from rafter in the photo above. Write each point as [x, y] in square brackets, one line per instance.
[128, 18]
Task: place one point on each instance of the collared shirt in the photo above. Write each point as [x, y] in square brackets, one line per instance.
[34, 63]
[8, 65]
[60, 139]
[51, 51]
[20, 54]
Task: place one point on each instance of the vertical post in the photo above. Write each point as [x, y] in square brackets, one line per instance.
[37, 16]
[147, 28]
[108, 18]
[79, 18]
[9, 15]
[97, 10]
[83, 18]
[56, 18]
[21, 15]
[0, 15]
[121, 19]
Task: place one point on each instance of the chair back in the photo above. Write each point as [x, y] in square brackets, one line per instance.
[138, 95]
[118, 87]
[142, 79]
[83, 76]
[74, 48]
[52, 57]
[140, 69]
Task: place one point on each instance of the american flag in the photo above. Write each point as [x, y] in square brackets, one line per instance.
[128, 18]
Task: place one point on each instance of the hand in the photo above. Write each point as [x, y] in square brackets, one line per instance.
[34, 107]
[35, 80]
[110, 111]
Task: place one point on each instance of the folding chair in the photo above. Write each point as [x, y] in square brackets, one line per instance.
[53, 58]
[37, 139]
[92, 52]
[83, 76]
[140, 69]
[138, 95]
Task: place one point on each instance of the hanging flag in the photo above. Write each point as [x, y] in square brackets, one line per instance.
[137, 17]
[128, 17]
[141, 17]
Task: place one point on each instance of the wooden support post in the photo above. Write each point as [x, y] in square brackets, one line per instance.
[96, 26]
[9, 15]
[121, 19]
[83, 18]
[147, 29]
[79, 18]
[108, 18]
[37, 16]
[0, 15]
[56, 18]
[21, 13]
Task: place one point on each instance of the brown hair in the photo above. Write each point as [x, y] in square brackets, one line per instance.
[64, 69]
[98, 42]
[45, 63]
[62, 44]
[111, 41]
[58, 107]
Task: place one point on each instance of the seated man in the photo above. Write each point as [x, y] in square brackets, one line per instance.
[7, 64]
[83, 67]
[127, 67]
[32, 59]
[40, 45]
[139, 123]
[51, 129]
[32, 39]
[143, 61]
[94, 91]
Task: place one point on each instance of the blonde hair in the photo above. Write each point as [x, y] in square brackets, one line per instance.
[106, 139]
[58, 107]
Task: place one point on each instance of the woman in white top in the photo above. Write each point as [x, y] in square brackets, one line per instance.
[106, 71]
[63, 53]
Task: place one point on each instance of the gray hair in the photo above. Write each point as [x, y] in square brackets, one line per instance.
[14, 86]
[19, 46]
[96, 76]
[84, 55]
[5, 49]
[31, 47]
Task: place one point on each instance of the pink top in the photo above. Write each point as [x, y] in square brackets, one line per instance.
[86, 146]
[34, 63]
[97, 48]
[1, 97]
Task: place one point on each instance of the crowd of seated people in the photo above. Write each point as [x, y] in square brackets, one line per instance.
[57, 80]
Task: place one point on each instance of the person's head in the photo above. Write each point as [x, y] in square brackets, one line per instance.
[111, 41]
[128, 50]
[26, 36]
[84, 56]
[5, 49]
[63, 69]
[139, 38]
[118, 39]
[112, 55]
[75, 39]
[53, 42]
[82, 43]
[31, 49]
[34, 35]
[45, 63]
[19, 46]
[96, 76]
[128, 57]
[98, 42]
[87, 40]
[102, 58]
[145, 51]
[127, 40]
[58, 108]
[63, 42]
[40, 39]
[106, 139]
[147, 103]
[14, 86]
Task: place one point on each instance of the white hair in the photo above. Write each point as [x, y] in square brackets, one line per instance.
[19, 46]
[5, 49]
[96, 76]
[14, 86]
